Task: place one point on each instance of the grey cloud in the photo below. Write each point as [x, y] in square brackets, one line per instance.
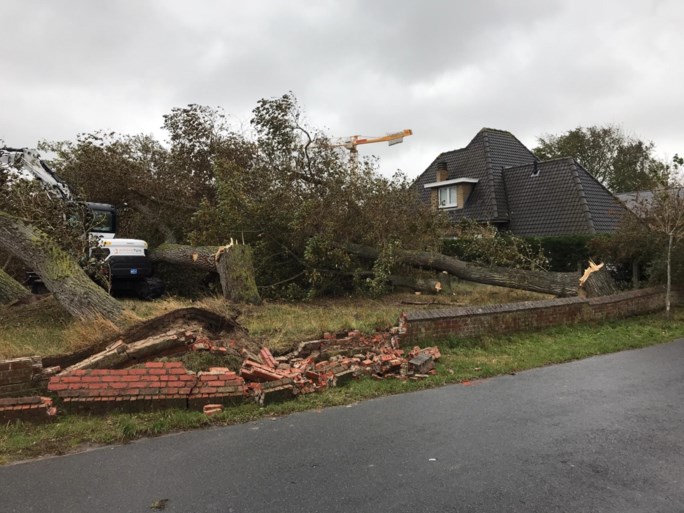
[444, 69]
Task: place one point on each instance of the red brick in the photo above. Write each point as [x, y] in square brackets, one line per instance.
[154, 365]
[157, 371]
[137, 371]
[175, 371]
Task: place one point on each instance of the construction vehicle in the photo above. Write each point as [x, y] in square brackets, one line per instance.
[126, 264]
[353, 141]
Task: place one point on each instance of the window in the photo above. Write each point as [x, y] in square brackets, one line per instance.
[447, 197]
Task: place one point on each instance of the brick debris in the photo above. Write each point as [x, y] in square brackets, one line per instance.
[263, 378]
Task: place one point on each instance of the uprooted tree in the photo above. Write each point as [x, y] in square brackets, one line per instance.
[10, 289]
[62, 275]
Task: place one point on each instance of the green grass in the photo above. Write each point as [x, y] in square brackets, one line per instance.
[462, 360]
[43, 328]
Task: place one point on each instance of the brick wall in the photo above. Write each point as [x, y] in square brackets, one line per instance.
[23, 376]
[157, 384]
[26, 408]
[529, 315]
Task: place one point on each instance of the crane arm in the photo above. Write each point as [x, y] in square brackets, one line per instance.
[359, 139]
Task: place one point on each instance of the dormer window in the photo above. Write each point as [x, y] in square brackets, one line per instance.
[451, 193]
[448, 197]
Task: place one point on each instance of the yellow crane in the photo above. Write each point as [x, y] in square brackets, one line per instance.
[352, 142]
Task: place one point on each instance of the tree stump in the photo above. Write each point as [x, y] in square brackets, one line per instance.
[236, 271]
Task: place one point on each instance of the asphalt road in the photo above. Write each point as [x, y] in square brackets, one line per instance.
[599, 435]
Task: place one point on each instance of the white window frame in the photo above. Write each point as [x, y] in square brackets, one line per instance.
[447, 201]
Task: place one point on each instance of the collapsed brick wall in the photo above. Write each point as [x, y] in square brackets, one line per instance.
[23, 376]
[529, 315]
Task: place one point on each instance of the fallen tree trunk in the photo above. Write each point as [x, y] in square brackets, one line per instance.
[232, 262]
[61, 274]
[597, 281]
[10, 289]
[202, 258]
[558, 284]
[422, 285]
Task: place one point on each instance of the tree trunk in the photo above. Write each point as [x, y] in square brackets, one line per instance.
[236, 271]
[10, 289]
[235, 268]
[599, 283]
[558, 284]
[60, 273]
[198, 257]
[422, 285]
[669, 275]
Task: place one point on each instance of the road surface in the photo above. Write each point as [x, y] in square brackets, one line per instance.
[604, 434]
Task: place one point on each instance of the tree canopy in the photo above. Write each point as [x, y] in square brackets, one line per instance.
[621, 162]
[278, 185]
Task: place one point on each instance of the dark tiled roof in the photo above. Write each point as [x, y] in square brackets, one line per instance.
[483, 159]
[561, 199]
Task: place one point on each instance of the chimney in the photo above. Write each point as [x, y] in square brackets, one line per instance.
[442, 171]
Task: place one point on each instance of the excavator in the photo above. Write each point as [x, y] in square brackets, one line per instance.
[125, 260]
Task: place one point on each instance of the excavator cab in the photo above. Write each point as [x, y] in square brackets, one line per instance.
[103, 221]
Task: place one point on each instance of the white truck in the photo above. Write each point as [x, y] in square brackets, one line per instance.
[126, 261]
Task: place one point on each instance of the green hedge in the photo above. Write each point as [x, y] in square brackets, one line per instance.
[564, 253]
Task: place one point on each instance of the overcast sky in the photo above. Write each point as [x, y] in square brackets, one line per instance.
[445, 69]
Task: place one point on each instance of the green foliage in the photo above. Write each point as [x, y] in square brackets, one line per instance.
[300, 200]
[621, 162]
[282, 188]
[653, 235]
[486, 245]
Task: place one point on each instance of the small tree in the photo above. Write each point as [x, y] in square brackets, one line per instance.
[667, 217]
[664, 214]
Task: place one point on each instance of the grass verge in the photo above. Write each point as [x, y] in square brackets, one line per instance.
[43, 328]
[462, 360]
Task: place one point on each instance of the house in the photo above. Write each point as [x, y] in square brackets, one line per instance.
[496, 179]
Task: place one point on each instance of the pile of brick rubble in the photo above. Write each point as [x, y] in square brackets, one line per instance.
[314, 366]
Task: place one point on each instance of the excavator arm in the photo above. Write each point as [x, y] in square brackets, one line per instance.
[28, 162]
